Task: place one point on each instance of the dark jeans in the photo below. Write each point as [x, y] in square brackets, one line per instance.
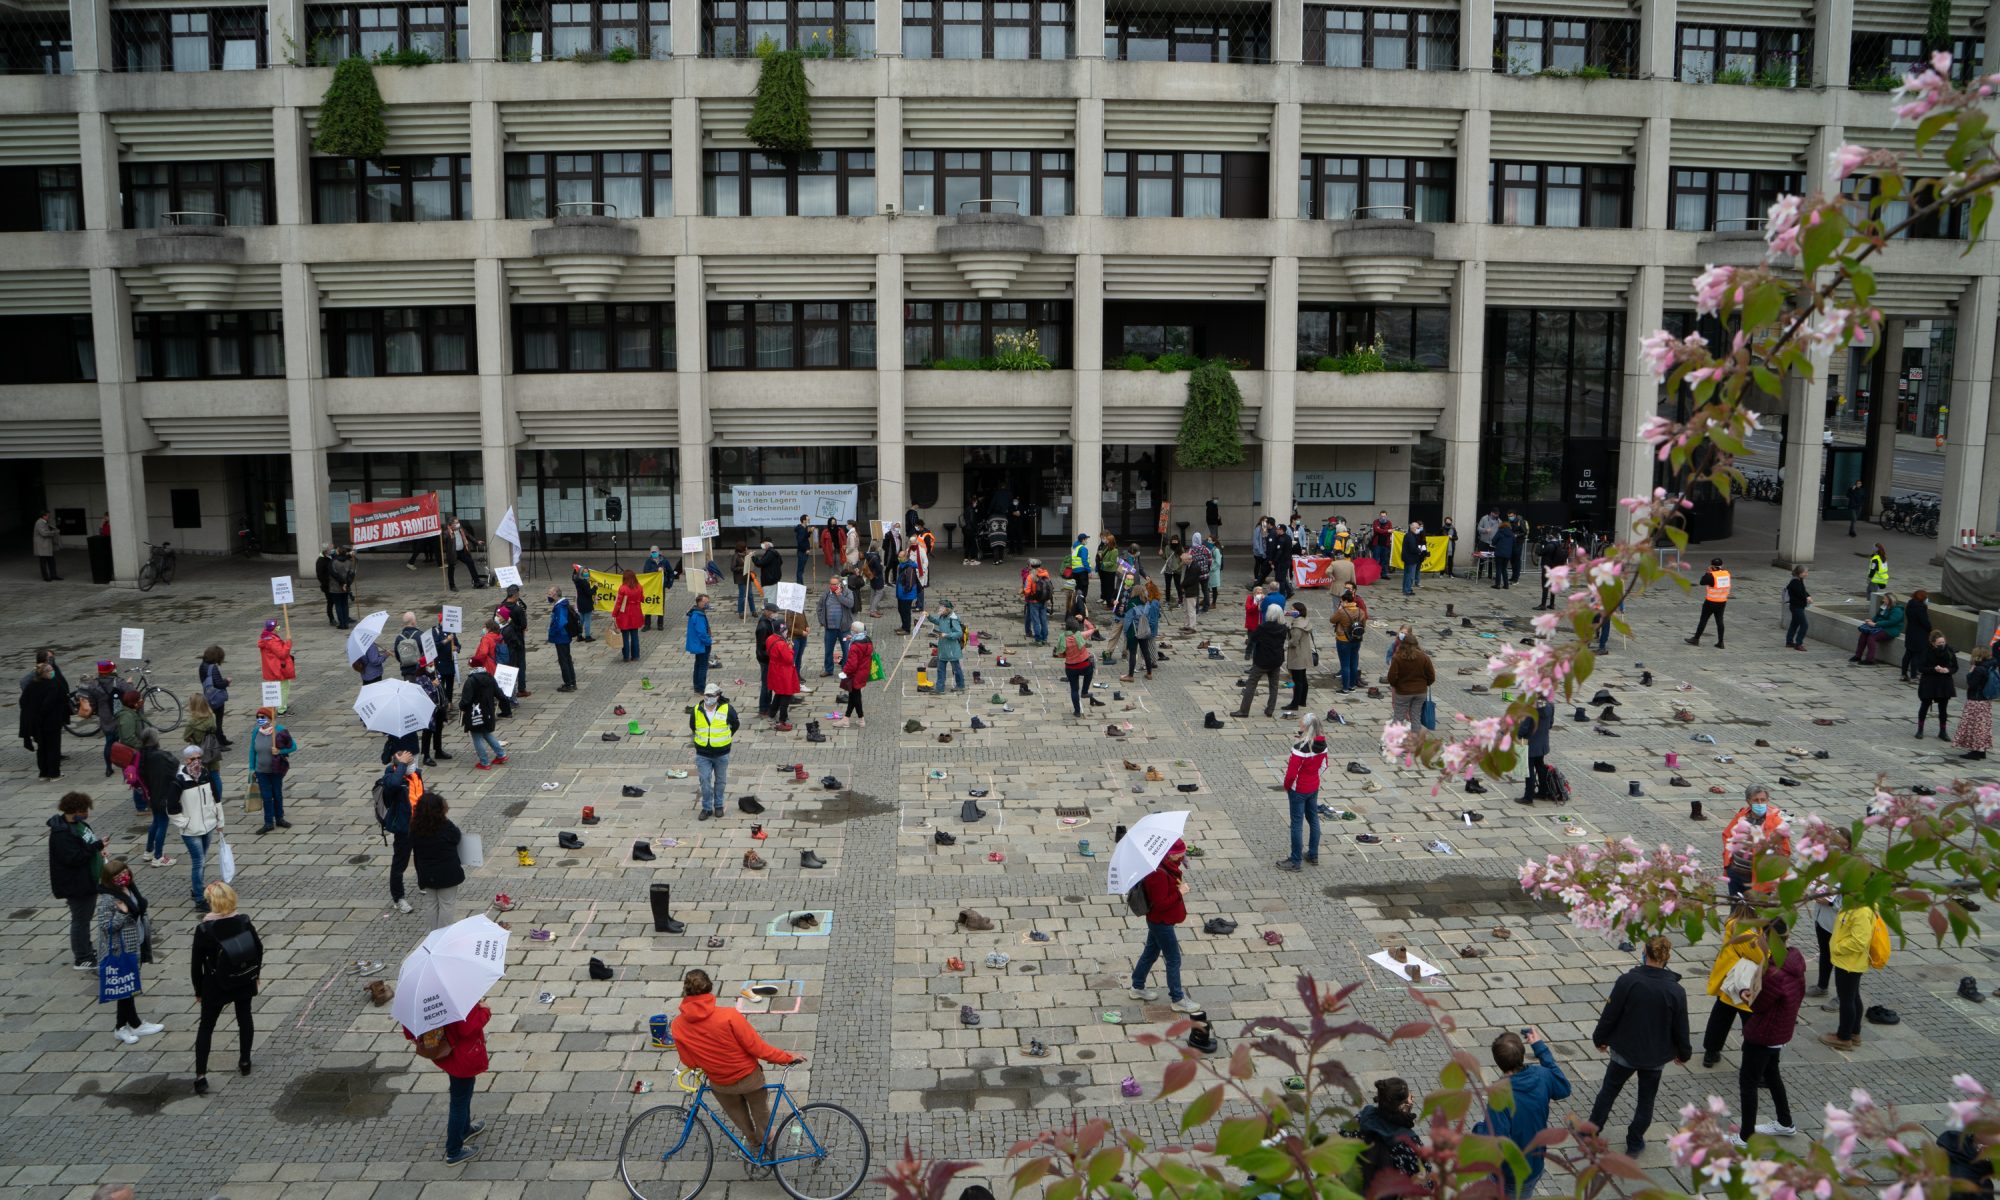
[48, 565]
[48, 752]
[1795, 635]
[1161, 942]
[628, 645]
[763, 689]
[1259, 675]
[1500, 579]
[1847, 984]
[700, 670]
[451, 570]
[340, 601]
[1350, 664]
[156, 834]
[82, 910]
[272, 789]
[854, 708]
[1301, 690]
[128, 1013]
[1037, 617]
[1642, 1116]
[1721, 1019]
[204, 1034]
[568, 668]
[399, 861]
[903, 611]
[330, 618]
[1538, 778]
[1135, 650]
[1760, 1070]
[1825, 954]
[1711, 608]
[458, 1120]
[1305, 811]
[1866, 644]
[1410, 570]
[1079, 684]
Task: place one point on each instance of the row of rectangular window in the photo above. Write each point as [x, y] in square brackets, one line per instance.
[439, 32]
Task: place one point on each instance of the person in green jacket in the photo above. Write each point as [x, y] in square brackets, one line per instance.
[1885, 628]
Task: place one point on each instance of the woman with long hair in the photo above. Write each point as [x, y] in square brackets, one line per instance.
[1302, 773]
[434, 852]
[628, 614]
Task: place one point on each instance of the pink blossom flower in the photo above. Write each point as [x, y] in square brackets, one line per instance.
[1848, 159]
[1781, 225]
[1657, 352]
[1710, 287]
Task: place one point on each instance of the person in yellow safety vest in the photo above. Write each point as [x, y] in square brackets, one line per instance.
[1714, 598]
[713, 722]
[1878, 578]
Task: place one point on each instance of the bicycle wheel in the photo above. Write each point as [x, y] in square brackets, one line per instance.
[658, 1161]
[838, 1146]
[147, 577]
[163, 709]
[81, 726]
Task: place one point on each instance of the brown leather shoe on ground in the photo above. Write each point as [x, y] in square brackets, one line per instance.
[751, 861]
[971, 919]
[1837, 1042]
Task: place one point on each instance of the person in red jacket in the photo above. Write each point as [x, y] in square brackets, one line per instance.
[720, 1044]
[1165, 909]
[854, 667]
[465, 1064]
[1253, 615]
[275, 654]
[1774, 1015]
[783, 680]
[1739, 859]
[1302, 771]
[627, 613]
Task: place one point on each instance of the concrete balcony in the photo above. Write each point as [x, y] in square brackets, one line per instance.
[990, 246]
[197, 262]
[586, 250]
[1378, 254]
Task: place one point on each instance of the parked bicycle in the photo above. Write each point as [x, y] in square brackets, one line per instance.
[159, 568]
[160, 707]
[816, 1151]
[1912, 513]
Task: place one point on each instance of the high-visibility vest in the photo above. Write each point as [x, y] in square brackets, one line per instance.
[1718, 592]
[711, 731]
[1878, 570]
[1079, 557]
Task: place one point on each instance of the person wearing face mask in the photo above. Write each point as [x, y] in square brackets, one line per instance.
[1388, 1128]
[340, 574]
[402, 787]
[1760, 820]
[122, 929]
[197, 817]
[75, 862]
[271, 747]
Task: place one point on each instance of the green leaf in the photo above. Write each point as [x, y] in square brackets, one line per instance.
[1772, 867]
[1930, 126]
[1210, 436]
[1203, 1108]
[781, 117]
[1069, 1187]
[1766, 379]
[1861, 282]
[1264, 1162]
[350, 113]
[1817, 246]
[1103, 1165]
[1239, 1134]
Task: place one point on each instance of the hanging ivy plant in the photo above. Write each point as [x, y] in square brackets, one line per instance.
[350, 114]
[1937, 30]
[781, 119]
[1209, 424]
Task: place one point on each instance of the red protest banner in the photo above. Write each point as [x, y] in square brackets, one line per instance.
[385, 521]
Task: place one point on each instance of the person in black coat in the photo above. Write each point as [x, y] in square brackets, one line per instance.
[44, 709]
[770, 565]
[1936, 669]
[323, 570]
[76, 857]
[434, 853]
[1535, 731]
[1644, 1025]
[1916, 634]
[516, 634]
[225, 966]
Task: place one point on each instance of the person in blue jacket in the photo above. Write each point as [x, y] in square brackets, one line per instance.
[1534, 1084]
[560, 611]
[1504, 541]
[1078, 564]
[699, 642]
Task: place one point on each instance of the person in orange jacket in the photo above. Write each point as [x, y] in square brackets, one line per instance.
[1738, 861]
[465, 1063]
[719, 1043]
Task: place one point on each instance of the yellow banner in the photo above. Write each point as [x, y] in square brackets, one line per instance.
[1434, 552]
[652, 586]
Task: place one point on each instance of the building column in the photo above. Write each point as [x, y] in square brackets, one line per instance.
[1799, 513]
[1475, 139]
[1459, 424]
[1090, 159]
[1288, 39]
[1651, 175]
[1656, 39]
[290, 153]
[1640, 395]
[892, 476]
[888, 31]
[1881, 480]
[1278, 423]
[1089, 41]
[285, 32]
[489, 157]
[1285, 160]
[498, 433]
[310, 431]
[121, 425]
[686, 143]
[1831, 54]
[691, 355]
[1969, 497]
[1086, 426]
[686, 38]
[1475, 41]
[888, 172]
[91, 43]
[97, 146]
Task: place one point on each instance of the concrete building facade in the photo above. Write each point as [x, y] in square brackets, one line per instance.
[571, 284]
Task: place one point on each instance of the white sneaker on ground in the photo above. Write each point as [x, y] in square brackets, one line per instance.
[1777, 1130]
[1186, 1004]
[127, 1036]
[150, 1028]
[403, 905]
[1142, 994]
[1738, 1142]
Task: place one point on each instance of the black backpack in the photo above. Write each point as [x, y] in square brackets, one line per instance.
[240, 958]
[572, 624]
[1137, 900]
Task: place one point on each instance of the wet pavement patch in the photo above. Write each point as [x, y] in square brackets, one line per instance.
[319, 1096]
[142, 1097]
[1446, 896]
[823, 810]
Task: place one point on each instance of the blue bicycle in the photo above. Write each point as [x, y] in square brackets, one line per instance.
[816, 1151]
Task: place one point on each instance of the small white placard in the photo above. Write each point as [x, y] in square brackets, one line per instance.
[791, 596]
[690, 545]
[274, 693]
[505, 677]
[711, 529]
[427, 643]
[281, 589]
[452, 617]
[131, 643]
[1382, 959]
[507, 576]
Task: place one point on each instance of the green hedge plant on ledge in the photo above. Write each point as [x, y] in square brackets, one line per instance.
[781, 118]
[1210, 436]
[350, 114]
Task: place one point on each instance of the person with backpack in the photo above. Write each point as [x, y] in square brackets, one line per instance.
[1859, 944]
[271, 747]
[122, 928]
[274, 657]
[155, 770]
[1350, 624]
[909, 588]
[1079, 664]
[434, 852]
[1162, 901]
[565, 627]
[1533, 732]
[130, 724]
[396, 796]
[855, 669]
[459, 1050]
[1037, 592]
[480, 707]
[226, 966]
[1267, 661]
[341, 573]
[1388, 1129]
[1975, 719]
[197, 816]
[1533, 1085]
[75, 862]
[1302, 775]
[1194, 581]
[1411, 676]
[408, 645]
[1139, 628]
[835, 611]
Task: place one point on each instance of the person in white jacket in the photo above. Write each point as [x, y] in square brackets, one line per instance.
[197, 816]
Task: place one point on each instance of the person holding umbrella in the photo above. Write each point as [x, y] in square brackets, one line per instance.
[440, 1001]
[1159, 897]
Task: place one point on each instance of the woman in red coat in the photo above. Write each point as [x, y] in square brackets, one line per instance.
[627, 613]
[784, 679]
[854, 671]
[465, 1064]
[276, 654]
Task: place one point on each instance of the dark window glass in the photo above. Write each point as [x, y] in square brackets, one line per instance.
[209, 345]
[1336, 187]
[1561, 195]
[197, 193]
[1546, 422]
[1190, 183]
[36, 43]
[620, 183]
[359, 343]
[1531, 44]
[588, 30]
[792, 335]
[965, 329]
[1421, 335]
[814, 183]
[1388, 39]
[41, 199]
[209, 39]
[47, 349]
[1744, 54]
[405, 188]
[1013, 29]
[424, 32]
[593, 337]
[1031, 182]
[819, 28]
[1150, 36]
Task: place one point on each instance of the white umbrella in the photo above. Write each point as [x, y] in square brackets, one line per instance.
[393, 707]
[453, 970]
[1141, 849]
[364, 635]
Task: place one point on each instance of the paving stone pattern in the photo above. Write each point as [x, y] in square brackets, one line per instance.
[338, 1106]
